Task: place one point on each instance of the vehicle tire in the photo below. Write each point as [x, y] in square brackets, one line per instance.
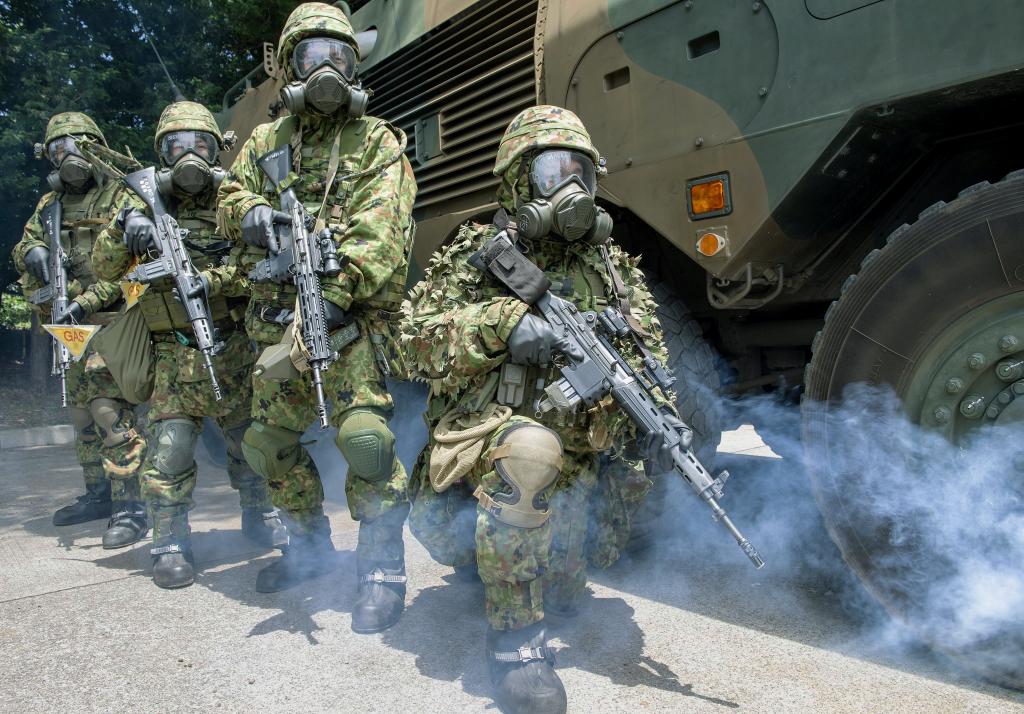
[692, 361]
[950, 285]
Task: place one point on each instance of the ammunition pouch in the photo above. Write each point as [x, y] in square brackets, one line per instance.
[163, 312]
[271, 451]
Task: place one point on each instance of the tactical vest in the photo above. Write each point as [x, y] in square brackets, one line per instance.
[85, 215]
[581, 280]
[161, 310]
[313, 162]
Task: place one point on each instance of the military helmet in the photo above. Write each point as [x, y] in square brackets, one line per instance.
[542, 127]
[313, 19]
[71, 124]
[186, 116]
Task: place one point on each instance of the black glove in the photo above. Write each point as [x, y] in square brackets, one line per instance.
[37, 263]
[74, 313]
[656, 452]
[139, 231]
[533, 341]
[335, 316]
[258, 227]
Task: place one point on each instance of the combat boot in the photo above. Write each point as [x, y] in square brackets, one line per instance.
[264, 527]
[523, 673]
[173, 563]
[381, 598]
[93, 505]
[305, 556]
[127, 526]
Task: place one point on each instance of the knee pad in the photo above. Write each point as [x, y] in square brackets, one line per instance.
[81, 419]
[174, 445]
[270, 450]
[115, 420]
[528, 458]
[367, 444]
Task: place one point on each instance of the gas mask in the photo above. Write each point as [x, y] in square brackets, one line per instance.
[325, 79]
[563, 183]
[189, 159]
[73, 173]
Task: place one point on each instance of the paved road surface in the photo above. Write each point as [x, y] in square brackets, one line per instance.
[692, 629]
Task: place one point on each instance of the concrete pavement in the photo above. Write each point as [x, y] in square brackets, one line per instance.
[693, 628]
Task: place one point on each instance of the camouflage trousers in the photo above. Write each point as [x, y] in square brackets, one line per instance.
[353, 380]
[88, 380]
[182, 390]
[526, 569]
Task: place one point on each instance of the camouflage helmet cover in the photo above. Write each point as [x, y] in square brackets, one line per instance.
[186, 116]
[71, 124]
[542, 127]
[313, 19]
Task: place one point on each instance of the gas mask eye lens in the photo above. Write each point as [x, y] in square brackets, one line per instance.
[176, 144]
[550, 170]
[60, 148]
[314, 52]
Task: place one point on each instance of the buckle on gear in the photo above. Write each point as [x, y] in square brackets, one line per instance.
[169, 548]
[379, 576]
[524, 655]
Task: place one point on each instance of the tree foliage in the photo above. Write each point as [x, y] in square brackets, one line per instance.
[92, 56]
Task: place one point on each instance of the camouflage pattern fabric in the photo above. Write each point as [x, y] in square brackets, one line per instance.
[313, 19]
[455, 332]
[181, 386]
[371, 219]
[71, 124]
[354, 380]
[186, 116]
[182, 389]
[542, 127]
[88, 379]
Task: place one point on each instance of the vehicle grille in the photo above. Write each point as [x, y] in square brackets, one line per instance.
[468, 77]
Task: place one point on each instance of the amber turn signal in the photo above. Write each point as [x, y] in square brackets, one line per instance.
[707, 197]
[710, 244]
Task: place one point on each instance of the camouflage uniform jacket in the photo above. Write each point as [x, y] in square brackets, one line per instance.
[457, 322]
[206, 248]
[84, 216]
[370, 215]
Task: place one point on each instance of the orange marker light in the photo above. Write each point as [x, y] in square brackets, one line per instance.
[707, 197]
[710, 244]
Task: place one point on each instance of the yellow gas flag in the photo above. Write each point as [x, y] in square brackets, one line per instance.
[132, 291]
[75, 337]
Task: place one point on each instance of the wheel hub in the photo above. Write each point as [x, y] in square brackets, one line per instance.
[972, 375]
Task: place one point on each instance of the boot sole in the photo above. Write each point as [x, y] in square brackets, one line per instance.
[174, 587]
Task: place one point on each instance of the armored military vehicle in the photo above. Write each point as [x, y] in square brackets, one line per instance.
[826, 192]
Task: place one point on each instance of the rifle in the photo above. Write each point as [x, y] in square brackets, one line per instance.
[603, 370]
[56, 292]
[174, 262]
[303, 259]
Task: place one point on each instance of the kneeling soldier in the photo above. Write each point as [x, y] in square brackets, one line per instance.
[487, 355]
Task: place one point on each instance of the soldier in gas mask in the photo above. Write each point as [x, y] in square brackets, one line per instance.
[108, 444]
[351, 175]
[502, 489]
[189, 144]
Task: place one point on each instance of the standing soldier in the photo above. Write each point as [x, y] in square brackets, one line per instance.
[487, 356]
[109, 447]
[189, 143]
[350, 173]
